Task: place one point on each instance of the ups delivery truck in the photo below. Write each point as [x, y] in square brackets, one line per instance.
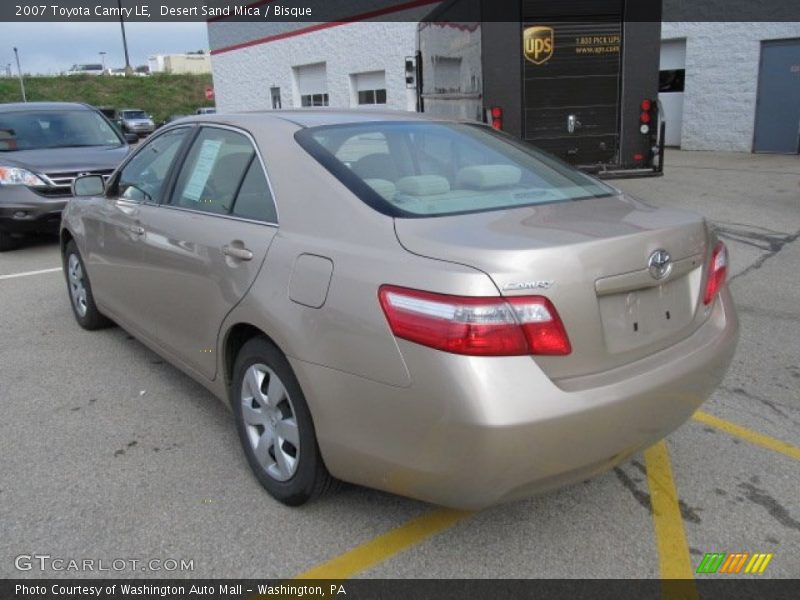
[576, 78]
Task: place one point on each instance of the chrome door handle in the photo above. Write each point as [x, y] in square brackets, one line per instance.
[236, 252]
[136, 229]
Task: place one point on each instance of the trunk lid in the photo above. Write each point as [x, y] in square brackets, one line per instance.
[590, 258]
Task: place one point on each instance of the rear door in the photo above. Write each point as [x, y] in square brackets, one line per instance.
[571, 79]
[777, 127]
[205, 245]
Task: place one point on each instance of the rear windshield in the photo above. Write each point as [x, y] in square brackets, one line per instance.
[417, 169]
[34, 130]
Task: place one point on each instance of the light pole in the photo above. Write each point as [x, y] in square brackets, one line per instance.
[19, 72]
[128, 69]
[103, 58]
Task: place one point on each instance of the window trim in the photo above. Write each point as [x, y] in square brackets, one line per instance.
[174, 177]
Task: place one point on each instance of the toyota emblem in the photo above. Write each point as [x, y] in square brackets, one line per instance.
[659, 264]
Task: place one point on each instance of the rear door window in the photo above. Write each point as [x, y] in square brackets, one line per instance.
[222, 174]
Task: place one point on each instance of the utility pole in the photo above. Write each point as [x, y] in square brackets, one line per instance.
[128, 68]
[19, 72]
[103, 58]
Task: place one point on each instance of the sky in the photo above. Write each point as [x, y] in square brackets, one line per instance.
[50, 48]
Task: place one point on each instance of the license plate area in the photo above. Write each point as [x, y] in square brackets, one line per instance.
[642, 317]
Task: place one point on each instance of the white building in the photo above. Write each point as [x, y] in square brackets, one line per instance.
[347, 65]
[180, 63]
[733, 86]
[726, 86]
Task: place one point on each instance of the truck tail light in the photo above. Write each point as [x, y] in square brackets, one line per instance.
[717, 272]
[475, 326]
[646, 115]
[497, 117]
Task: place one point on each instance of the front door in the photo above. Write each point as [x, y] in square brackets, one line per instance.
[777, 127]
[204, 246]
[115, 237]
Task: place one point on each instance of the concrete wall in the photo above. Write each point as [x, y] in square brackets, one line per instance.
[722, 62]
[243, 77]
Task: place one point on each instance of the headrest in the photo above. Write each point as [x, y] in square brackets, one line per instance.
[486, 177]
[423, 185]
[383, 187]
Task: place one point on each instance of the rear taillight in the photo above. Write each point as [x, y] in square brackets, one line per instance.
[497, 117]
[647, 107]
[475, 326]
[717, 272]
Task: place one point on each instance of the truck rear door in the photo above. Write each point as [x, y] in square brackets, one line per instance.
[572, 80]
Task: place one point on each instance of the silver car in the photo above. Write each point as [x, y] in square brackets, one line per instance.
[426, 307]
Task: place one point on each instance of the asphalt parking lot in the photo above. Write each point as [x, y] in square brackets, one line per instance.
[108, 452]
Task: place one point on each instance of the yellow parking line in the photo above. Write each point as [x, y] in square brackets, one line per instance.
[387, 545]
[759, 439]
[673, 551]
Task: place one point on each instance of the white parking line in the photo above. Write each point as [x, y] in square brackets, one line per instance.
[28, 273]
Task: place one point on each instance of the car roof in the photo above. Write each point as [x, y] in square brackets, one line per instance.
[312, 117]
[26, 106]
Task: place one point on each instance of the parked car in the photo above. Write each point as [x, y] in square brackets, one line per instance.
[206, 110]
[43, 147]
[90, 69]
[109, 112]
[426, 307]
[134, 120]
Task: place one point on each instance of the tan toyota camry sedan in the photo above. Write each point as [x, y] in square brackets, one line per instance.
[427, 307]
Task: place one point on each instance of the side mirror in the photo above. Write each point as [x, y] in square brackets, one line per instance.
[131, 138]
[88, 185]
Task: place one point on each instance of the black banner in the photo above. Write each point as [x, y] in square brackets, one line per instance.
[323, 11]
[728, 587]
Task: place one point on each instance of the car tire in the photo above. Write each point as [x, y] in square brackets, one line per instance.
[275, 426]
[80, 291]
[8, 242]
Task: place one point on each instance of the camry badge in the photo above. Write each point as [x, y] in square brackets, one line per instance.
[660, 264]
[544, 284]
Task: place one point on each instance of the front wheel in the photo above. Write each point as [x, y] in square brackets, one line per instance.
[80, 291]
[275, 426]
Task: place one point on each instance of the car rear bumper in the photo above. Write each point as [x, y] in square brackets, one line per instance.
[471, 432]
[23, 211]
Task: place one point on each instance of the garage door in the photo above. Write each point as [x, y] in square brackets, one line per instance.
[672, 74]
[777, 127]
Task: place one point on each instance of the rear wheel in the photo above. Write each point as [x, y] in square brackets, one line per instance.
[80, 291]
[275, 426]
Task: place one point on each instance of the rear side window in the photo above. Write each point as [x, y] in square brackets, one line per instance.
[418, 169]
[254, 200]
[223, 175]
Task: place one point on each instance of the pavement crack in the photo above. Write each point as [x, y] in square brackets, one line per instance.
[688, 513]
[772, 405]
[774, 508]
[770, 243]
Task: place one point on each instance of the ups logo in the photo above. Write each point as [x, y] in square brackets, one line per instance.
[538, 44]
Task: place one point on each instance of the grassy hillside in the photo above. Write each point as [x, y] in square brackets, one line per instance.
[160, 95]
